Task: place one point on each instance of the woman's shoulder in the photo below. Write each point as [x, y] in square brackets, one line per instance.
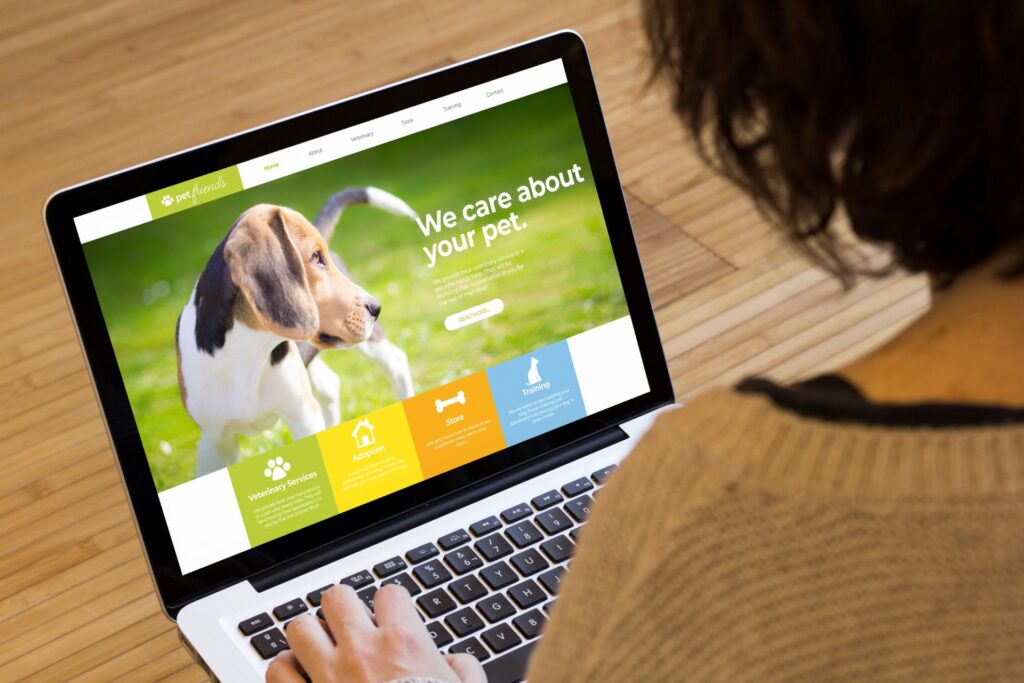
[749, 437]
[721, 428]
[706, 443]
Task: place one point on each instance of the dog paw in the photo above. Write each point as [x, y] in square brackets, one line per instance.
[277, 468]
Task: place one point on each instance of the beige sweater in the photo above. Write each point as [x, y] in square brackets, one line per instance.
[742, 542]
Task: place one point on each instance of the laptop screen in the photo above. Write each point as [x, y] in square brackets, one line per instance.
[305, 332]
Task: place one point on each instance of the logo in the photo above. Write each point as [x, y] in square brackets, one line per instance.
[277, 469]
[533, 375]
[167, 200]
[363, 434]
[460, 397]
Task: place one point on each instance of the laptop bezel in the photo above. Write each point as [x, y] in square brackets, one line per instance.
[176, 590]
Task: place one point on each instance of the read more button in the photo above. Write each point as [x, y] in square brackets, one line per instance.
[474, 314]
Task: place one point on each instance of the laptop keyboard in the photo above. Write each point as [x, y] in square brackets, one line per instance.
[486, 591]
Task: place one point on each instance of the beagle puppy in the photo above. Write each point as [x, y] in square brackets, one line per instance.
[271, 297]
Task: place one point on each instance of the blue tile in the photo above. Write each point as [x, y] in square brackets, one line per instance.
[536, 393]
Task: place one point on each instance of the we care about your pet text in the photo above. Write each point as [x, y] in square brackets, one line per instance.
[433, 223]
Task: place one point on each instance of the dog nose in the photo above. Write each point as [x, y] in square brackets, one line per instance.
[373, 306]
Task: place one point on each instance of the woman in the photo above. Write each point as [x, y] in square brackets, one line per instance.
[867, 525]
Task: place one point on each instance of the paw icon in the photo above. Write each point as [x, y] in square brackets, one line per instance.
[167, 200]
[277, 468]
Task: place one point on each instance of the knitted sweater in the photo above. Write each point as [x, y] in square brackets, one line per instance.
[745, 542]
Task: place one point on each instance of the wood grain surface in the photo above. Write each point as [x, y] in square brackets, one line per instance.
[92, 87]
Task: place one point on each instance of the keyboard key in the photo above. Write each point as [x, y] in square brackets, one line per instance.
[406, 582]
[575, 488]
[269, 643]
[554, 521]
[422, 552]
[526, 594]
[511, 667]
[601, 476]
[473, 647]
[496, 608]
[437, 602]
[575, 534]
[464, 622]
[453, 540]
[549, 606]
[358, 580]
[501, 638]
[467, 589]
[257, 623]
[432, 573]
[579, 508]
[552, 579]
[546, 500]
[290, 609]
[320, 613]
[485, 526]
[493, 547]
[516, 512]
[366, 595]
[530, 623]
[559, 549]
[498, 575]
[463, 560]
[314, 597]
[439, 634]
[389, 567]
[529, 562]
[523, 534]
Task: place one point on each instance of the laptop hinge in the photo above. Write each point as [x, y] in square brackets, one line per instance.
[314, 559]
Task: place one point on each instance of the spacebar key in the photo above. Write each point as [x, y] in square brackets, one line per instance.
[510, 668]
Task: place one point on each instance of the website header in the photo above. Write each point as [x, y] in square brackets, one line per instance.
[187, 194]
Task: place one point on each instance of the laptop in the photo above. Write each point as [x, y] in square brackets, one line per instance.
[401, 338]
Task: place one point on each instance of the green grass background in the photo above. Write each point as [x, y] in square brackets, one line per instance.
[569, 284]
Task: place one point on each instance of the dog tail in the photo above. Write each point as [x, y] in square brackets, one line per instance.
[327, 217]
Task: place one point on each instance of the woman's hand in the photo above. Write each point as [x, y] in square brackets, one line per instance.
[397, 646]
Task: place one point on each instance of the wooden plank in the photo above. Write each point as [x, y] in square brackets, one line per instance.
[65, 585]
[159, 657]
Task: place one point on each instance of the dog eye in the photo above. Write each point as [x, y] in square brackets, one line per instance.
[318, 258]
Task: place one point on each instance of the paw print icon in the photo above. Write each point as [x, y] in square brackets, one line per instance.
[277, 468]
[167, 200]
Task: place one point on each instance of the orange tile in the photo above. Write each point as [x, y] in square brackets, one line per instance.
[454, 424]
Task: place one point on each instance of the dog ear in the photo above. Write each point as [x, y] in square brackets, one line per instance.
[267, 268]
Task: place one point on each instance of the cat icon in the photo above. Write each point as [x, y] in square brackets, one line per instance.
[533, 376]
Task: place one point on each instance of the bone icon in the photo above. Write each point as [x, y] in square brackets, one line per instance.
[457, 398]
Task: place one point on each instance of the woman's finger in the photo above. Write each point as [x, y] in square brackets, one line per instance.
[284, 669]
[394, 609]
[466, 667]
[347, 616]
[311, 645]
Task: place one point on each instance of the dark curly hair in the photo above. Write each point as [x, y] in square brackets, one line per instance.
[908, 114]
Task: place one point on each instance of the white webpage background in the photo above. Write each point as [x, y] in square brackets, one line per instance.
[609, 367]
[204, 520]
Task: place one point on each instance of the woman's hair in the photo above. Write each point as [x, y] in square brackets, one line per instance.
[909, 114]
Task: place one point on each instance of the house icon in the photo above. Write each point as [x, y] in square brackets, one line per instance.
[363, 433]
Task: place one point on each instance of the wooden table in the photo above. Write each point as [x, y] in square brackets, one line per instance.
[91, 88]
